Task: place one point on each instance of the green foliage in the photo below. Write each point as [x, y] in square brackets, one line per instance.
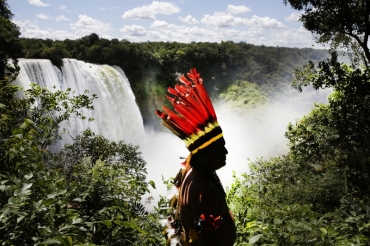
[275, 205]
[9, 38]
[318, 193]
[346, 27]
[33, 208]
[89, 193]
[30, 123]
[108, 198]
[336, 135]
[95, 204]
[243, 95]
[36, 212]
[151, 67]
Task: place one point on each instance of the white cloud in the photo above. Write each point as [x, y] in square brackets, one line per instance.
[62, 35]
[235, 10]
[293, 38]
[62, 7]
[189, 19]
[186, 34]
[42, 16]
[87, 25]
[181, 33]
[220, 19]
[150, 11]
[110, 8]
[159, 24]
[30, 29]
[266, 22]
[293, 17]
[241, 35]
[134, 30]
[61, 18]
[38, 3]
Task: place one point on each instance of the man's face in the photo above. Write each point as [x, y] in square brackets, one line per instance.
[216, 154]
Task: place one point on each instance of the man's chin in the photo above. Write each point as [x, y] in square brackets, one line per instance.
[221, 166]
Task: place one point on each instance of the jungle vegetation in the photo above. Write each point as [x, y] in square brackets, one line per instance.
[151, 67]
[89, 193]
[318, 193]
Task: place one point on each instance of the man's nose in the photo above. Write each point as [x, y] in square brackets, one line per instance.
[226, 152]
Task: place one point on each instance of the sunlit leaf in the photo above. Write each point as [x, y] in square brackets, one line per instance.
[151, 182]
[324, 231]
[255, 238]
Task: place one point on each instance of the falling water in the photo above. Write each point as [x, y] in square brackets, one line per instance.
[258, 133]
[116, 114]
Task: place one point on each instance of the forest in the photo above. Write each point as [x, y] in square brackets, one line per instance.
[90, 192]
[151, 67]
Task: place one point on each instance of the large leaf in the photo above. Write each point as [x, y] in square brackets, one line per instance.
[255, 238]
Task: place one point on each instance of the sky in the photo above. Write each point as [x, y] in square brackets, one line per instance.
[259, 22]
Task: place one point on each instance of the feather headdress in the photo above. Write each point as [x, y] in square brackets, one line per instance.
[195, 120]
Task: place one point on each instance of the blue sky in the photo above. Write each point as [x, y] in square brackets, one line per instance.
[267, 22]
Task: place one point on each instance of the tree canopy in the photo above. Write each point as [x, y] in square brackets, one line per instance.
[9, 37]
[151, 67]
[343, 23]
[87, 194]
[318, 193]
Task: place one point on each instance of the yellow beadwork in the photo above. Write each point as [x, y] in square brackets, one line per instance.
[207, 143]
[194, 137]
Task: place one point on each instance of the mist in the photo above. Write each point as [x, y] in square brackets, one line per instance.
[250, 133]
[255, 133]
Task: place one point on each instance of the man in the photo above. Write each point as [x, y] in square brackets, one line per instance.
[203, 194]
[202, 209]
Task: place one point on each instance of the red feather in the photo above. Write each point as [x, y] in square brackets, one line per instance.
[185, 81]
[171, 99]
[160, 114]
[188, 114]
[205, 99]
[194, 109]
[173, 91]
[183, 123]
[181, 89]
[201, 113]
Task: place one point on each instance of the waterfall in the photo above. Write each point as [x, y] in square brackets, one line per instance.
[116, 114]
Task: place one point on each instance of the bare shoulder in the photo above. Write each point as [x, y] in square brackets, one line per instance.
[197, 183]
[200, 193]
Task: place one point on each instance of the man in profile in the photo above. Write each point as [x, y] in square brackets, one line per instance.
[203, 217]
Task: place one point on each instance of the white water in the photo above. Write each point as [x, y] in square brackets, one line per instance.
[257, 133]
[116, 114]
[253, 134]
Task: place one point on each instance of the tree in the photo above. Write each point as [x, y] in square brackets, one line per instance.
[343, 23]
[32, 202]
[105, 184]
[337, 133]
[9, 37]
[95, 199]
[318, 194]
